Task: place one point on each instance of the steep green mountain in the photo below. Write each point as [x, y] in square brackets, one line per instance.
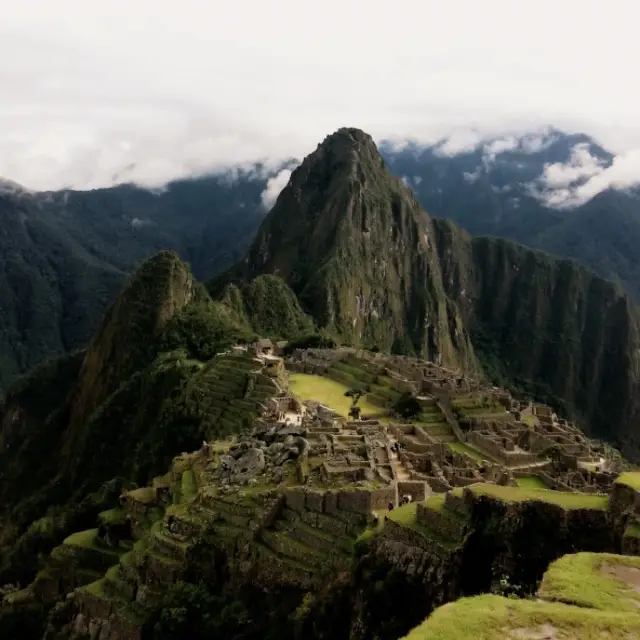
[269, 306]
[495, 189]
[369, 265]
[355, 247]
[549, 328]
[64, 255]
[117, 412]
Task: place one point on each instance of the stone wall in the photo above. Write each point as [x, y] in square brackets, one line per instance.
[495, 449]
[307, 367]
[456, 502]
[439, 485]
[417, 490]
[397, 533]
[624, 498]
[355, 501]
[551, 482]
[447, 526]
[485, 442]
[410, 443]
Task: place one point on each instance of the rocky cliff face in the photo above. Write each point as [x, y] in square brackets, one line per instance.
[368, 264]
[353, 244]
[550, 327]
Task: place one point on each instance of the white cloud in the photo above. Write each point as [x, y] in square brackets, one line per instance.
[501, 145]
[535, 142]
[581, 165]
[98, 93]
[572, 184]
[136, 223]
[275, 185]
[461, 141]
[525, 142]
[472, 176]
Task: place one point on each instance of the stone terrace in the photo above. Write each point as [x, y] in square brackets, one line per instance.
[467, 430]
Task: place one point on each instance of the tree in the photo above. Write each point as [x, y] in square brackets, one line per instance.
[354, 412]
[407, 406]
[355, 395]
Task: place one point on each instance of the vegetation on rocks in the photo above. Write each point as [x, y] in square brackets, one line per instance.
[278, 527]
[372, 268]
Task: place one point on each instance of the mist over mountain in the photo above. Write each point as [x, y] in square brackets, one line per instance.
[66, 253]
[554, 192]
[345, 257]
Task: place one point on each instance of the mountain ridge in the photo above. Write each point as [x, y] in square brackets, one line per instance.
[339, 236]
[67, 253]
[368, 264]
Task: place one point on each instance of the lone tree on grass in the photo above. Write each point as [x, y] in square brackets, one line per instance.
[355, 395]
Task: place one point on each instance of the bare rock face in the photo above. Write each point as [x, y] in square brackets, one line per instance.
[250, 464]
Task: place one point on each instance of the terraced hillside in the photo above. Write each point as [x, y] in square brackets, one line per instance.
[288, 494]
[301, 535]
[228, 392]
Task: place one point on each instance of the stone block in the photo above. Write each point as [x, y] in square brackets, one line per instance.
[315, 501]
[330, 502]
[309, 517]
[332, 526]
[295, 499]
[417, 490]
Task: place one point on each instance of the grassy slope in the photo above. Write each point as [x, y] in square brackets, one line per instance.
[560, 498]
[531, 482]
[582, 579]
[578, 598]
[327, 392]
[490, 617]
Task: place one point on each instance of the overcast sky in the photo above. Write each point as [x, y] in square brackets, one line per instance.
[95, 92]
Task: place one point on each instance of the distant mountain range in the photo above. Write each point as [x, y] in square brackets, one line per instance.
[64, 255]
[530, 190]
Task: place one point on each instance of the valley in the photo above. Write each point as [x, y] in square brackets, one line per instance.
[369, 423]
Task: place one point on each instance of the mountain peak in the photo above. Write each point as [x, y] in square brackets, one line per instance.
[347, 139]
[353, 244]
[161, 287]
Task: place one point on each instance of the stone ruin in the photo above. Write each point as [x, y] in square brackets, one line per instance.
[514, 444]
[308, 444]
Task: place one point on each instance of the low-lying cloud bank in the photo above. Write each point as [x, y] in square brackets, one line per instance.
[565, 186]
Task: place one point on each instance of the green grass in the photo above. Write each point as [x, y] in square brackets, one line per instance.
[580, 579]
[632, 530]
[436, 502]
[146, 495]
[562, 499]
[490, 617]
[113, 517]
[82, 538]
[531, 482]
[405, 515]
[327, 392]
[630, 479]
[188, 487]
[370, 532]
[468, 450]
